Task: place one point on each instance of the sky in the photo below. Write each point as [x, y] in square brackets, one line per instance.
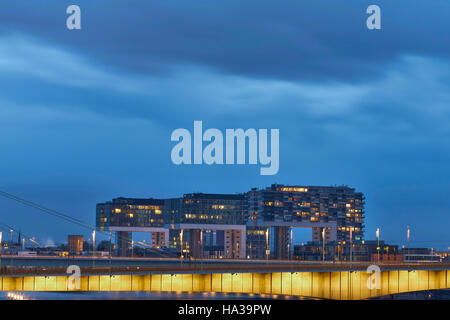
[86, 115]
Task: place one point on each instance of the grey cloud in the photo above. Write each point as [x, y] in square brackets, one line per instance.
[321, 40]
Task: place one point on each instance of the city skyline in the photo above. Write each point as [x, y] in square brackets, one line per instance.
[86, 115]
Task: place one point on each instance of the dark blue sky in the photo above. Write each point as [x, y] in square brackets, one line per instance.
[86, 115]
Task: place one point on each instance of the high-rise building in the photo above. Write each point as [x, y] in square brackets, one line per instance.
[196, 213]
[126, 215]
[333, 213]
[256, 225]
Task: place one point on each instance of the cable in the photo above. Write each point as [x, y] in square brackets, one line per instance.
[9, 228]
[64, 217]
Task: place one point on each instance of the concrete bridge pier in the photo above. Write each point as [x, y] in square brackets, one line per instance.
[123, 243]
[281, 243]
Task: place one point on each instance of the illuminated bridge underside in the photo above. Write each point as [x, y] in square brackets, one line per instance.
[342, 285]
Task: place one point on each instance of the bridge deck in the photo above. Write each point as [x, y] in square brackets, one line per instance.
[330, 281]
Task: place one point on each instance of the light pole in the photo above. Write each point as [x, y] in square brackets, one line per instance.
[407, 236]
[93, 248]
[110, 251]
[378, 242]
[12, 235]
[351, 244]
[201, 244]
[181, 246]
[267, 246]
[201, 249]
[323, 244]
[290, 244]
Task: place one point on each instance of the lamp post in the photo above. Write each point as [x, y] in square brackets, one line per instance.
[323, 244]
[132, 248]
[267, 246]
[290, 244]
[93, 248]
[201, 244]
[110, 252]
[181, 246]
[407, 236]
[351, 244]
[378, 242]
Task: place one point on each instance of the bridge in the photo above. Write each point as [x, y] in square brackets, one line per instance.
[340, 281]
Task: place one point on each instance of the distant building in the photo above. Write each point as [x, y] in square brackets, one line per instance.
[358, 251]
[253, 225]
[445, 255]
[75, 243]
[420, 255]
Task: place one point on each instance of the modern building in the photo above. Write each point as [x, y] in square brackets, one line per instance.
[253, 225]
[258, 243]
[190, 217]
[333, 213]
[126, 215]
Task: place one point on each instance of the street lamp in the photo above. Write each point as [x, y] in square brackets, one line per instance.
[351, 244]
[93, 248]
[181, 244]
[290, 244]
[323, 244]
[378, 241]
[267, 246]
[201, 244]
[407, 236]
[110, 252]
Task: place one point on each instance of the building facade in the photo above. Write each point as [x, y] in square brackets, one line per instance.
[333, 213]
[75, 244]
[196, 215]
[253, 225]
[126, 215]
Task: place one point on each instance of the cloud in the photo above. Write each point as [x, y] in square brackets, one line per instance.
[94, 109]
[23, 56]
[409, 97]
[293, 40]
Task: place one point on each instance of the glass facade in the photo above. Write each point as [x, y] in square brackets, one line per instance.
[130, 212]
[201, 208]
[256, 224]
[280, 205]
